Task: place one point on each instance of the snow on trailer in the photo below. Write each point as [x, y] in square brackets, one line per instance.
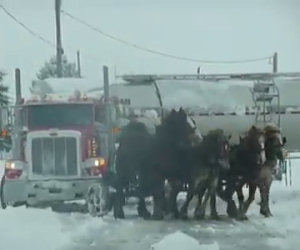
[232, 102]
[61, 147]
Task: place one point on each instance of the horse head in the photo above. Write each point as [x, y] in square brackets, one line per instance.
[218, 148]
[181, 128]
[274, 143]
[254, 142]
[134, 135]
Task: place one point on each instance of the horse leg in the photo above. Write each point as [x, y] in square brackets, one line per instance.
[143, 187]
[199, 212]
[142, 209]
[118, 204]
[159, 200]
[264, 193]
[226, 195]
[175, 188]
[183, 214]
[213, 187]
[241, 198]
[119, 197]
[121, 182]
[252, 189]
[265, 182]
[213, 211]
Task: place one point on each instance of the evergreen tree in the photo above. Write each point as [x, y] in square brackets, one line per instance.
[3, 91]
[5, 139]
[49, 69]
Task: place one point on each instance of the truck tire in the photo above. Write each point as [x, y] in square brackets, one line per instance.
[97, 200]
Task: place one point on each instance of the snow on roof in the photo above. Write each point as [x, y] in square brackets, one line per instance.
[64, 85]
[208, 96]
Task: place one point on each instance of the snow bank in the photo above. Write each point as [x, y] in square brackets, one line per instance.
[2, 162]
[29, 229]
[180, 241]
[33, 229]
[285, 205]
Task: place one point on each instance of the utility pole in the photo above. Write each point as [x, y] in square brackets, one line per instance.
[275, 62]
[111, 144]
[78, 64]
[17, 124]
[59, 49]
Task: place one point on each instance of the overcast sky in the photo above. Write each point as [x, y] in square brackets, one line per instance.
[204, 29]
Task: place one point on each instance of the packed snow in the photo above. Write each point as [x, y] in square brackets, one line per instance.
[179, 241]
[35, 229]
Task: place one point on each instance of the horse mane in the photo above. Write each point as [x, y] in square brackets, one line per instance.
[271, 129]
[215, 133]
[253, 131]
[209, 141]
[135, 127]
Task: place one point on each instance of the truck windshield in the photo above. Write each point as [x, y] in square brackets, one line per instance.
[60, 115]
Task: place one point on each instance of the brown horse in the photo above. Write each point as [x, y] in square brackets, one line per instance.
[263, 179]
[246, 161]
[206, 161]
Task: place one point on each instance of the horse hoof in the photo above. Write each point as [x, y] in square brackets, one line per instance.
[242, 217]
[176, 215]
[199, 216]
[232, 210]
[183, 216]
[266, 213]
[171, 216]
[145, 215]
[157, 217]
[215, 217]
[119, 216]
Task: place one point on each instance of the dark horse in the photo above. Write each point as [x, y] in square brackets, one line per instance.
[150, 160]
[263, 177]
[246, 161]
[206, 160]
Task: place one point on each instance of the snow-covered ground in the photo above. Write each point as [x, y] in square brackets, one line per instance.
[35, 229]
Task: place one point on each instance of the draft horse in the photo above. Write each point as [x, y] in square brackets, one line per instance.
[274, 143]
[149, 160]
[246, 161]
[206, 161]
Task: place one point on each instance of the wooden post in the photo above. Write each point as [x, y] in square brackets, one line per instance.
[78, 64]
[275, 62]
[59, 49]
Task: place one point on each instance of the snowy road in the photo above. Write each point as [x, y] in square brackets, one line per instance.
[37, 229]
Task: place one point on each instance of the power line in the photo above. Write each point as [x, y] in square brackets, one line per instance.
[160, 53]
[46, 41]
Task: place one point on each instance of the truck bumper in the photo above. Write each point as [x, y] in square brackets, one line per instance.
[35, 192]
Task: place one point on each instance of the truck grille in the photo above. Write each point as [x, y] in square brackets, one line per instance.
[54, 156]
